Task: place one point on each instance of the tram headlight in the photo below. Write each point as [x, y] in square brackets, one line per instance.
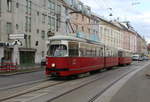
[53, 65]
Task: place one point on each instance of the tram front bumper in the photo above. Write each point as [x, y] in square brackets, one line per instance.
[57, 69]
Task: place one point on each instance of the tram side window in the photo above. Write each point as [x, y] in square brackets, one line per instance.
[81, 51]
[88, 52]
[73, 49]
[57, 50]
[93, 52]
[120, 54]
[97, 52]
[102, 52]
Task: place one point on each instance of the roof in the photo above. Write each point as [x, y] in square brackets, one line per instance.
[62, 37]
[71, 38]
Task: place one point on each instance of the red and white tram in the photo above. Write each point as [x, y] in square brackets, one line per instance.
[124, 57]
[69, 56]
[110, 57]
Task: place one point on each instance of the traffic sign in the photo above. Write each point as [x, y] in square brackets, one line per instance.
[17, 36]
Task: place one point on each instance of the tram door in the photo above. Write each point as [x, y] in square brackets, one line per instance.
[73, 54]
[73, 49]
[120, 53]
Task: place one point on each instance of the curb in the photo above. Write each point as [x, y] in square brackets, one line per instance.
[17, 73]
[118, 85]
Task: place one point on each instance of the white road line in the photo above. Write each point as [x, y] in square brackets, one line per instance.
[108, 94]
[22, 84]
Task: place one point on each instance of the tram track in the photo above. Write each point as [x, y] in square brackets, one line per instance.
[22, 84]
[48, 86]
[34, 89]
[88, 83]
[110, 85]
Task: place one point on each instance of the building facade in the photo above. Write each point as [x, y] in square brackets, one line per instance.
[38, 20]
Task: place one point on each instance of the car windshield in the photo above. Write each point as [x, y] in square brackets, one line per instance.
[58, 51]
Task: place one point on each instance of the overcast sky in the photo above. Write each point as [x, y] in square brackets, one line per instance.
[135, 11]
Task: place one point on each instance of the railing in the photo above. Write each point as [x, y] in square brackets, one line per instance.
[5, 67]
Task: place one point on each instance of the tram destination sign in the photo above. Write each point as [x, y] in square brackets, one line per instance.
[17, 36]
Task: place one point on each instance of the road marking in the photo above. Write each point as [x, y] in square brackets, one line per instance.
[28, 98]
[108, 94]
[22, 84]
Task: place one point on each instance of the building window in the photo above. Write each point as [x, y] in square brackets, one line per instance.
[36, 43]
[17, 5]
[58, 9]
[43, 34]
[43, 53]
[94, 31]
[66, 11]
[82, 17]
[29, 24]
[51, 5]
[49, 20]
[17, 26]
[88, 20]
[9, 27]
[26, 23]
[38, 13]
[77, 16]
[28, 7]
[58, 23]
[43, 18]
[82, 29]
[30, 4]
[53, 23]
[89, 31]
[37, 31]
[9, 5]
[44, 3]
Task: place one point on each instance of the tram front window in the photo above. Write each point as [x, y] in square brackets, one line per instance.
[58, 50]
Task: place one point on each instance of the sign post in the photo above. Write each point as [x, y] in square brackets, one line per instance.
[16, 44]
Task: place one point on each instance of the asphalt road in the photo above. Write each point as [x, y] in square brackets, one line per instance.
[82, 94]
[8, 81]
[137, 89]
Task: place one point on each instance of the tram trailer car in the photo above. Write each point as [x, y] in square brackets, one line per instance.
[124, 58]
[69, 56]
[110, 57]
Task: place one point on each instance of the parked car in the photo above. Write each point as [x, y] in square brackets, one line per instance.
[137, 58]
[146, 58]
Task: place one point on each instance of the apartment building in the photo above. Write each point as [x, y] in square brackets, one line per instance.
[141, 45]
[118, 35]
[40, 19]
[82, 23]
[37, 20]
[111, 34]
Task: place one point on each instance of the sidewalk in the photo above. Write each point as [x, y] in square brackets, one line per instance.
[137, 89]
[23, 70]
